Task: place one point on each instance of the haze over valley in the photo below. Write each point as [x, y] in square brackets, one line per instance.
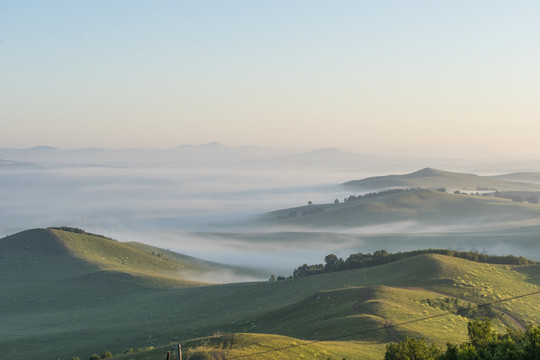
[207, 201]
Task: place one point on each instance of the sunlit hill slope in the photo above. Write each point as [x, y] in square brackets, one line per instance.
[70, 295]
[58, 254]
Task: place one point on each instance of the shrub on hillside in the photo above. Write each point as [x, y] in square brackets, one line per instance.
[483, 343]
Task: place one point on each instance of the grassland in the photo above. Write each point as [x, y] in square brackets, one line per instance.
[66, 307]
[257, 346]
[422, 205]
[71, 255]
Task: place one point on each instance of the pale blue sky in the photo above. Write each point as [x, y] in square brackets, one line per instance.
[359, 75]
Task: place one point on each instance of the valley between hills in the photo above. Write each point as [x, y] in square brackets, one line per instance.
[67, 293]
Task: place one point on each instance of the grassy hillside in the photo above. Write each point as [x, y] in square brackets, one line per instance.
[53, 253]
[88, 307]
[433, 178]
[244, 345]
[421, 205]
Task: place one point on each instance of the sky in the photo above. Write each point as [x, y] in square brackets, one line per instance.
[434, 76]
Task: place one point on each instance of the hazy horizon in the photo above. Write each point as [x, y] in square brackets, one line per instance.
[438, 78]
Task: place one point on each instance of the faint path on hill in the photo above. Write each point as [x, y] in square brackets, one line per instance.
[367, 294]
[513, 320]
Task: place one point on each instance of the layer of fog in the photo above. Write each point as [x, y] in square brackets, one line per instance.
[218, 276]
[200, 200]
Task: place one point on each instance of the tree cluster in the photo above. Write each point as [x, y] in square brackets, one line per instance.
[68, 229]
[374, 194]
[518, 197]
[483, 343]
[312, 210]
[77, 231]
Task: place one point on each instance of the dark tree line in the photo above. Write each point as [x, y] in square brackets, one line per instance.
[374, 194]
[380, 257]
[483, 343]
[77, 231]
[517, 197]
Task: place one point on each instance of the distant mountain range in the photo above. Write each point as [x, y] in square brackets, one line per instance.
[200, 155]
[215, 154]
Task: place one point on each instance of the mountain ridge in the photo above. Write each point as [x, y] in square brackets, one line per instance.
[434, 178]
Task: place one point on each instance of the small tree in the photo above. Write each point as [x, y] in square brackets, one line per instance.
[332, 263]
[480, 333]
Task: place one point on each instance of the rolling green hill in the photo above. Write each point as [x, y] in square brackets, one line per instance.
[55, 253]
[433, 178]
[55, 303]
[426, 206]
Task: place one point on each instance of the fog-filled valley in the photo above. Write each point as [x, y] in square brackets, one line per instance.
[207, 201]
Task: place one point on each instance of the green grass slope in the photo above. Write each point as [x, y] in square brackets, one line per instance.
[53, 254]
[433, 178]
[257, 346]
[67, 317]
[421, 205]
[425, 296]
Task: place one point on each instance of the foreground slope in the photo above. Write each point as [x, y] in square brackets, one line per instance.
[260, 346]
[67, 313]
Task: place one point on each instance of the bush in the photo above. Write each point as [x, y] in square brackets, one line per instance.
[483, 343]
[411, 348]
